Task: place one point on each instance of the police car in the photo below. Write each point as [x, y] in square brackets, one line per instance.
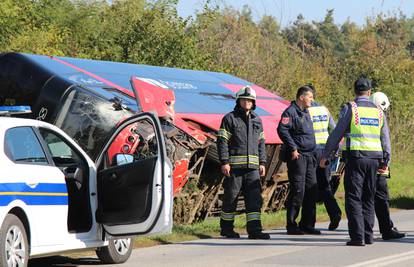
[54, 198]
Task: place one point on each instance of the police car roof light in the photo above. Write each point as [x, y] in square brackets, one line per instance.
[11, 110]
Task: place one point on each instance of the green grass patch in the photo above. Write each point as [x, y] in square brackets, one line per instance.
[401, 184]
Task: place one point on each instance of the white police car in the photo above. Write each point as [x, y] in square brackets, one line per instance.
[54, 198]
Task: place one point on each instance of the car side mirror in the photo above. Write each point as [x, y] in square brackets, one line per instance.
[121, 159]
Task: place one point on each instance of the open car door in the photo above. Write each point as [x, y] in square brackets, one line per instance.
[134, 179]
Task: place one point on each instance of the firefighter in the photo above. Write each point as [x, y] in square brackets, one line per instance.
[382, 207]
[323, 124]
[241, 148]
[296, 131]
[367, 142]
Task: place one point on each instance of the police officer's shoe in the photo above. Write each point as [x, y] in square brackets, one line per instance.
[392, 234]
[355, 243]
[259, 235]
[334, 223]
[369, 241]
[310, 231]
[294, 231]
[229, 234]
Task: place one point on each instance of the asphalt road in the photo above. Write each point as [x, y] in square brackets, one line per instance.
[327, 249]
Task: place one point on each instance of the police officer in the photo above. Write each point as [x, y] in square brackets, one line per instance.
[296, 131]
[367, 146]
[382, 207]
[241, 148]
[323, 124]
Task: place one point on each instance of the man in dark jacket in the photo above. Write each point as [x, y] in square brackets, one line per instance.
[296, 131]
[241, 149]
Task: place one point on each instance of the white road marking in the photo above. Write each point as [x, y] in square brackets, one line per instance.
[384, 261]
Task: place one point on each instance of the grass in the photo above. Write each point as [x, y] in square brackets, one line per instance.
[401, 187]
[401, 184]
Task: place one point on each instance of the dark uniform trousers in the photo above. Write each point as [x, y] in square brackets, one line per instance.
[382, 209]
[360, 183]
[246, 181]
[323, 177]
[303, 191]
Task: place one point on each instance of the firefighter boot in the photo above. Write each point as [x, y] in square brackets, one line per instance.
[259, 235]
[254, 228]
[227, 229]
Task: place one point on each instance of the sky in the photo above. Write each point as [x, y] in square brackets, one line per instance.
[286, 11]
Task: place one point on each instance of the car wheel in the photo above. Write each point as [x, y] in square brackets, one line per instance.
[14, 248]
[118, 251]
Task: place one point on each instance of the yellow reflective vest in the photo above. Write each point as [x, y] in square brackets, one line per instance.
[365, 129]
[320, 119]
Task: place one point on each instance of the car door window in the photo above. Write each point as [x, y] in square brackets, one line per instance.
[23, 146]
[63, 154]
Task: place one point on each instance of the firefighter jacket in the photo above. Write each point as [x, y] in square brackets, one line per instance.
[241, 140]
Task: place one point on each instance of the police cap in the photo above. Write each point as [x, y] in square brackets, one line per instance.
[362, 84]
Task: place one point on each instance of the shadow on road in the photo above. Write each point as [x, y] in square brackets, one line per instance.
[62, 261]
[406, 203]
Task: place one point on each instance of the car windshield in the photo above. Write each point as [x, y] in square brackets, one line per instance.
[89, 119]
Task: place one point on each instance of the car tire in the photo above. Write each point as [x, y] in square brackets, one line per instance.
[14, 247]
[118, 251]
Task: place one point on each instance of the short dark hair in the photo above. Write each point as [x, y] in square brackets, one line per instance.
[303, 90]
[362, 84]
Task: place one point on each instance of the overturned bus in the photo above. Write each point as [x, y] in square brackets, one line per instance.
[88, 98]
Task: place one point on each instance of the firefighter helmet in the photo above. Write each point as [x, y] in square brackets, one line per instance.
[381, 100]
[246, 92]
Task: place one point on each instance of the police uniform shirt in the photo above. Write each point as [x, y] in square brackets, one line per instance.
[296, 129]
[343, 127]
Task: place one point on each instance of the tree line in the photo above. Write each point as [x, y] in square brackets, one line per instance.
[328, 55]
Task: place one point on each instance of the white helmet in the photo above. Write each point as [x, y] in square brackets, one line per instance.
[246, 92]
[381, 100]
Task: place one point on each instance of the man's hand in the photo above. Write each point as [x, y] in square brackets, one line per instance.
[383, 169]
[225, 169]
[295, 154]
[262, 170]
[323, 163]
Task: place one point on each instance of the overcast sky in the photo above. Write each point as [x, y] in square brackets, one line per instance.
[286, 11]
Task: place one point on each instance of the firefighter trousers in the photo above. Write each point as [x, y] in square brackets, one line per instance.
[246, 181]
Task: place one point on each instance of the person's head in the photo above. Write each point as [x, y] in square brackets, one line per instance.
[362, 87]
[380, 100]
[246, 98]
[304, 96]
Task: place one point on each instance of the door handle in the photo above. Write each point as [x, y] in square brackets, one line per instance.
[113, 176]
